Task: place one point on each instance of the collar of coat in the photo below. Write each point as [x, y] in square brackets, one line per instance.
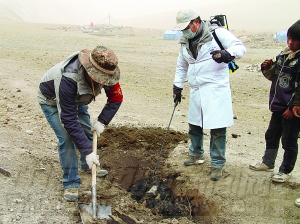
[203, 35]
[289, 53]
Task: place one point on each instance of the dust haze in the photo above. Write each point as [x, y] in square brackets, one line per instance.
[35, 35]
[254, 15]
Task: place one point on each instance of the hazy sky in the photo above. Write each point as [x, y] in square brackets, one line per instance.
[80, 11]
[120, 9]
[241, 14]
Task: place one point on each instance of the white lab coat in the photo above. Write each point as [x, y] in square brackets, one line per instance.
[210, 94]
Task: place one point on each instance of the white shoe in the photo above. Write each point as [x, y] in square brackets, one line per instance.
[297, 202]
[281, 177]
[260, 166]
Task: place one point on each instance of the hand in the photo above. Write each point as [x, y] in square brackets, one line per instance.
[296, 111]
[267, 63]
[98, 127]
[287, 114]
[177, 94]
[177, 97]
[221, 56]
[91, 159]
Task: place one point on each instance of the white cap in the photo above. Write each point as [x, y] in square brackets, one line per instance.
[184, 17]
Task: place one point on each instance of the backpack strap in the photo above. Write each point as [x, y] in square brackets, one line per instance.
[217, 39]
[231, 65]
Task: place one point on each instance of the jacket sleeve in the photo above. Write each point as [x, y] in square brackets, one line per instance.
[231, 43]
[114, 100]
[297, 97]
[268, 73]
[181, 70]
[69, 115]
[296, 101]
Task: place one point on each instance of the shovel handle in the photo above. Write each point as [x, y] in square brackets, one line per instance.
[94, 172]
[94, 196]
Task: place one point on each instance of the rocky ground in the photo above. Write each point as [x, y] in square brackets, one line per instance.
[130, 146]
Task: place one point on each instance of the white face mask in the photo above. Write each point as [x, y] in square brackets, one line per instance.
[188, 33]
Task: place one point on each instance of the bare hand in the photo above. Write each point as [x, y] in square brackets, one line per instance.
[287, 114]
[267, 63]
[296, 111]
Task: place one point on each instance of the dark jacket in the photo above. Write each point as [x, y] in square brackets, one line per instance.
[65, 86]
[284, 74]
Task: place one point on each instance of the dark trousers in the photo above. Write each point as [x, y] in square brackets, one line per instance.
[288, 131]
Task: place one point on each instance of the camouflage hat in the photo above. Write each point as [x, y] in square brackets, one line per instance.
[101, 65]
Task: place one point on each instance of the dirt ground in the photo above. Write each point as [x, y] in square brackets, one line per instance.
[130, 146]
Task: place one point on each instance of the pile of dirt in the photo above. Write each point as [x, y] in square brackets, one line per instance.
[131, 153]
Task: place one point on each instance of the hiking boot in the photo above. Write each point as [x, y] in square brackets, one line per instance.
[260, 166]
[88, 171]
[281, 177]
[194, 160]
[102, 173]
[216, 173]
[297, 202]
[71, 194]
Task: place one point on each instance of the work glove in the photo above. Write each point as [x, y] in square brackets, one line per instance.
[91, 159]
[177, 94]
[221, 56]
[98, 127]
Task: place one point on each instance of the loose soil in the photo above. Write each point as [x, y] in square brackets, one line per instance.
[130, 146]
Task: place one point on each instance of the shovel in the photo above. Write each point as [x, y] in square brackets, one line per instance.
[92, 211]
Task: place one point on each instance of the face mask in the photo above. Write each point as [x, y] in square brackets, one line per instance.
[188, 33]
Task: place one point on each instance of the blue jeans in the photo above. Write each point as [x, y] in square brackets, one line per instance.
[288, 131]
[217, 144]
[66, 147]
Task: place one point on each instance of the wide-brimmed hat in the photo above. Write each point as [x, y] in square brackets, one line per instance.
[101, 65]
[184, 17]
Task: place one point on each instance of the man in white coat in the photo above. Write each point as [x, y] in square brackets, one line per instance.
[206, 66]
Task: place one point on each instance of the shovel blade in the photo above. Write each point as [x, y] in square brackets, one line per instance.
[86, 212]
[103, 211]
